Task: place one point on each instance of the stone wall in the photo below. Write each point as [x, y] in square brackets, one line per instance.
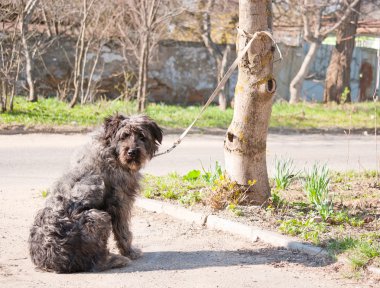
[184, 72]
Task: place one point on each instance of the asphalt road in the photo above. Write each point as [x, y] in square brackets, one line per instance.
[40, 158]
[177, 254]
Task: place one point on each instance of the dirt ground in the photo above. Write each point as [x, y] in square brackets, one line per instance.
[176, 254]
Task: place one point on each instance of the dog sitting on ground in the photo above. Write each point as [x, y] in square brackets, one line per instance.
[70, 234]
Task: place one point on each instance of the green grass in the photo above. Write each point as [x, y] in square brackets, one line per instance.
[174, 187]
[285, 172]
[306, 229]
[360, 251]
[51, 112]
[316, 186]
[342, 230]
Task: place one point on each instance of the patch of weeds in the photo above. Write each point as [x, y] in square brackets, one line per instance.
[170, 194]
[361, 251]
[371, 174]
[211, 176]
[308, 229]
[191, 198]
[173, 187]
[316, 186]
[234, 209]
[224, 192]
[341, 217]
[276, 202]
[338, 246]
[192, 175]
[284, 173]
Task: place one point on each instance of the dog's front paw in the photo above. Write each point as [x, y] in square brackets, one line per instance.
[133, 254]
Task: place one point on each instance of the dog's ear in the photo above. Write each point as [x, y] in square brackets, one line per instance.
[111, 125]
[153, 129]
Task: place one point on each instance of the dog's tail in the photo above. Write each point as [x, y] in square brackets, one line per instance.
[71, 244]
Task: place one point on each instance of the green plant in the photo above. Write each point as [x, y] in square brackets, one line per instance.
[44, 193]
[234, 209]
[174, 187]
[308, 229]
[344, 95]
[316, 186]
[211, 176]
[190, 198]
[276, 201]
[341, 245]
[192, 175]
[284, 173]
[360, 250]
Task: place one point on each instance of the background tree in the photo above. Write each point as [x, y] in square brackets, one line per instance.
[206, 9]
[10, 59]
[314, 33]
[26, 15]
[245, 142]
[143, 26]
[339, 70]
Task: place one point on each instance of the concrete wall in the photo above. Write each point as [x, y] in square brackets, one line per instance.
[185, 73]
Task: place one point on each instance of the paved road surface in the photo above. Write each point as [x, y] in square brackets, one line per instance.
[177, 254]
[40, 158]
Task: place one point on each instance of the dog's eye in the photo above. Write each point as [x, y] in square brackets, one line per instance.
[142, 137]
[125, 135]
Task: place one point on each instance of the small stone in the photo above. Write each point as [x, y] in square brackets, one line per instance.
[317, 219]
[368, 219]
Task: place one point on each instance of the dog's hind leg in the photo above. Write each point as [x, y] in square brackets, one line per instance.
[112, 261]
[98, 226]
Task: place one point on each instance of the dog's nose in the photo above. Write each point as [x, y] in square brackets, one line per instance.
[132, 152]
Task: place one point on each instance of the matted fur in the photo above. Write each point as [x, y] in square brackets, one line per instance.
[96, 196]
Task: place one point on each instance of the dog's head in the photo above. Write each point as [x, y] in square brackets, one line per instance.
[134, 139]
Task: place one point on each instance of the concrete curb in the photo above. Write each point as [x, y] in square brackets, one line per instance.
[254, 233]
[214, 222]
[171, 210]
[249, 232]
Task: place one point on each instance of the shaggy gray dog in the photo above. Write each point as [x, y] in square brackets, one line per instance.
[70, 234]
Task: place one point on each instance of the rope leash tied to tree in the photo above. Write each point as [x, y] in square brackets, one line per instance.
[224, 80]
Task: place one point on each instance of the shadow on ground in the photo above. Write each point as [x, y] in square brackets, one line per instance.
[179, 260]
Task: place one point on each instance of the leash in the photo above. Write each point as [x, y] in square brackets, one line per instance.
[223, 82]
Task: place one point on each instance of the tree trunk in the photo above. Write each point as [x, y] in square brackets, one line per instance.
[79, 56]
[140, 79]
[212, 48]
[3, 96]
[296, 84]
[143, 76]
[26, 16]
[223, 95]
[245, 142]
[339, 70]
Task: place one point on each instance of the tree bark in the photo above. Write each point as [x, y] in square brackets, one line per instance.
[296, 84]
[339, 70]
[245, 142]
